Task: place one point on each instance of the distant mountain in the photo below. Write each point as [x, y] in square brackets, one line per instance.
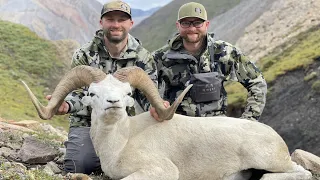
[55, 19]
[138, 15]
[139, 12]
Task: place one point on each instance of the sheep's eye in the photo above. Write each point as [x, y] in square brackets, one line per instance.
[92, 94]
[129, 94]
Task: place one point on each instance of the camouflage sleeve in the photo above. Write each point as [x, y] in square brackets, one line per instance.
[79, 58]
[148, 64]
[252, 79]
[74, 98]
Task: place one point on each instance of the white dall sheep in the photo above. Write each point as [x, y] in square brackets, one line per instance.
[186, 148]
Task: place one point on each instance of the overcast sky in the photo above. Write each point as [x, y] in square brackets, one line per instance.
[142, 4]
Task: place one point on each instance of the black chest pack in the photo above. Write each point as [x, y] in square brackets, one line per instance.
[206, 86]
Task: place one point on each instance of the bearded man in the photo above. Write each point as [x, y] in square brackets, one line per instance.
[193, 56]
[111, 48]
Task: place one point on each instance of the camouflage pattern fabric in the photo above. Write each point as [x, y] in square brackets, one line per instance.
[175, 65]
[96, 55]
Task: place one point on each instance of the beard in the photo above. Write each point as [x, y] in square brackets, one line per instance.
[192, 38]
[115, 39]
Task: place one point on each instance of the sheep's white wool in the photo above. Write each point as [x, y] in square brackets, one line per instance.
[188, 148]
[184, 147]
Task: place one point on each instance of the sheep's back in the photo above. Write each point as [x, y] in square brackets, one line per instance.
[201, 143]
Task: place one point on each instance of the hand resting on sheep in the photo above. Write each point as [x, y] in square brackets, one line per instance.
[186, 148]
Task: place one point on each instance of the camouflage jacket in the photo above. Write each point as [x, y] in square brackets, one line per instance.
[176, 66]
[95, 54]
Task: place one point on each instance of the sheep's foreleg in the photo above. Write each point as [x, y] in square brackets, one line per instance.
[297, 174]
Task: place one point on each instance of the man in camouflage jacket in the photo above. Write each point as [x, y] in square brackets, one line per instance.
[193, 52]
[111, 48]
[93, 54]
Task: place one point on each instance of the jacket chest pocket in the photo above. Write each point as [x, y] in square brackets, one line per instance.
[206, 87]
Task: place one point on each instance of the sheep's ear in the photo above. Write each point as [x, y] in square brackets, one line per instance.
[86, 100]
[129, 101]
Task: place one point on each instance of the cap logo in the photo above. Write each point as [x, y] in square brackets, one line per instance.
[123, 6]
[197, 10]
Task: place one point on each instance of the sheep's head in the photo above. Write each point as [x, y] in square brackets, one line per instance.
[85, 75]
[109, 97]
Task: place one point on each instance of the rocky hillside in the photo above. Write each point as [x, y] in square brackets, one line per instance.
[293, 99]
[292, 72]
[35, 151]
[284, 20]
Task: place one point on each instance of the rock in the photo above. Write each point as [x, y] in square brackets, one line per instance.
[47, 169]
[51, 130]
[34, 151]
[307, 160]
[53, 167]
[5, 152]
[11, 140]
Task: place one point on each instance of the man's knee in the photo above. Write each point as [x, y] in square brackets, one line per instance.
[86, 165]
[80, 155]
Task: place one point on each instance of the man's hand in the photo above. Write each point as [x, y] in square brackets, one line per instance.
[63, 109]
[153, 112]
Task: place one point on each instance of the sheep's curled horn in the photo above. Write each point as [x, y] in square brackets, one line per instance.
[140, 80]
[84, 75]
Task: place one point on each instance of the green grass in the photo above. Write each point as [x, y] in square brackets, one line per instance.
[299, 52]
[25, 56]
[155, 30]
[237, 94]
[296, 55]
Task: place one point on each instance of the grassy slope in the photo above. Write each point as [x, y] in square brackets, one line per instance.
[299, 52]
[25, 56]
[155, 30]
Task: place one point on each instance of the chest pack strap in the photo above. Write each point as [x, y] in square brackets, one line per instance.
[213, 64]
